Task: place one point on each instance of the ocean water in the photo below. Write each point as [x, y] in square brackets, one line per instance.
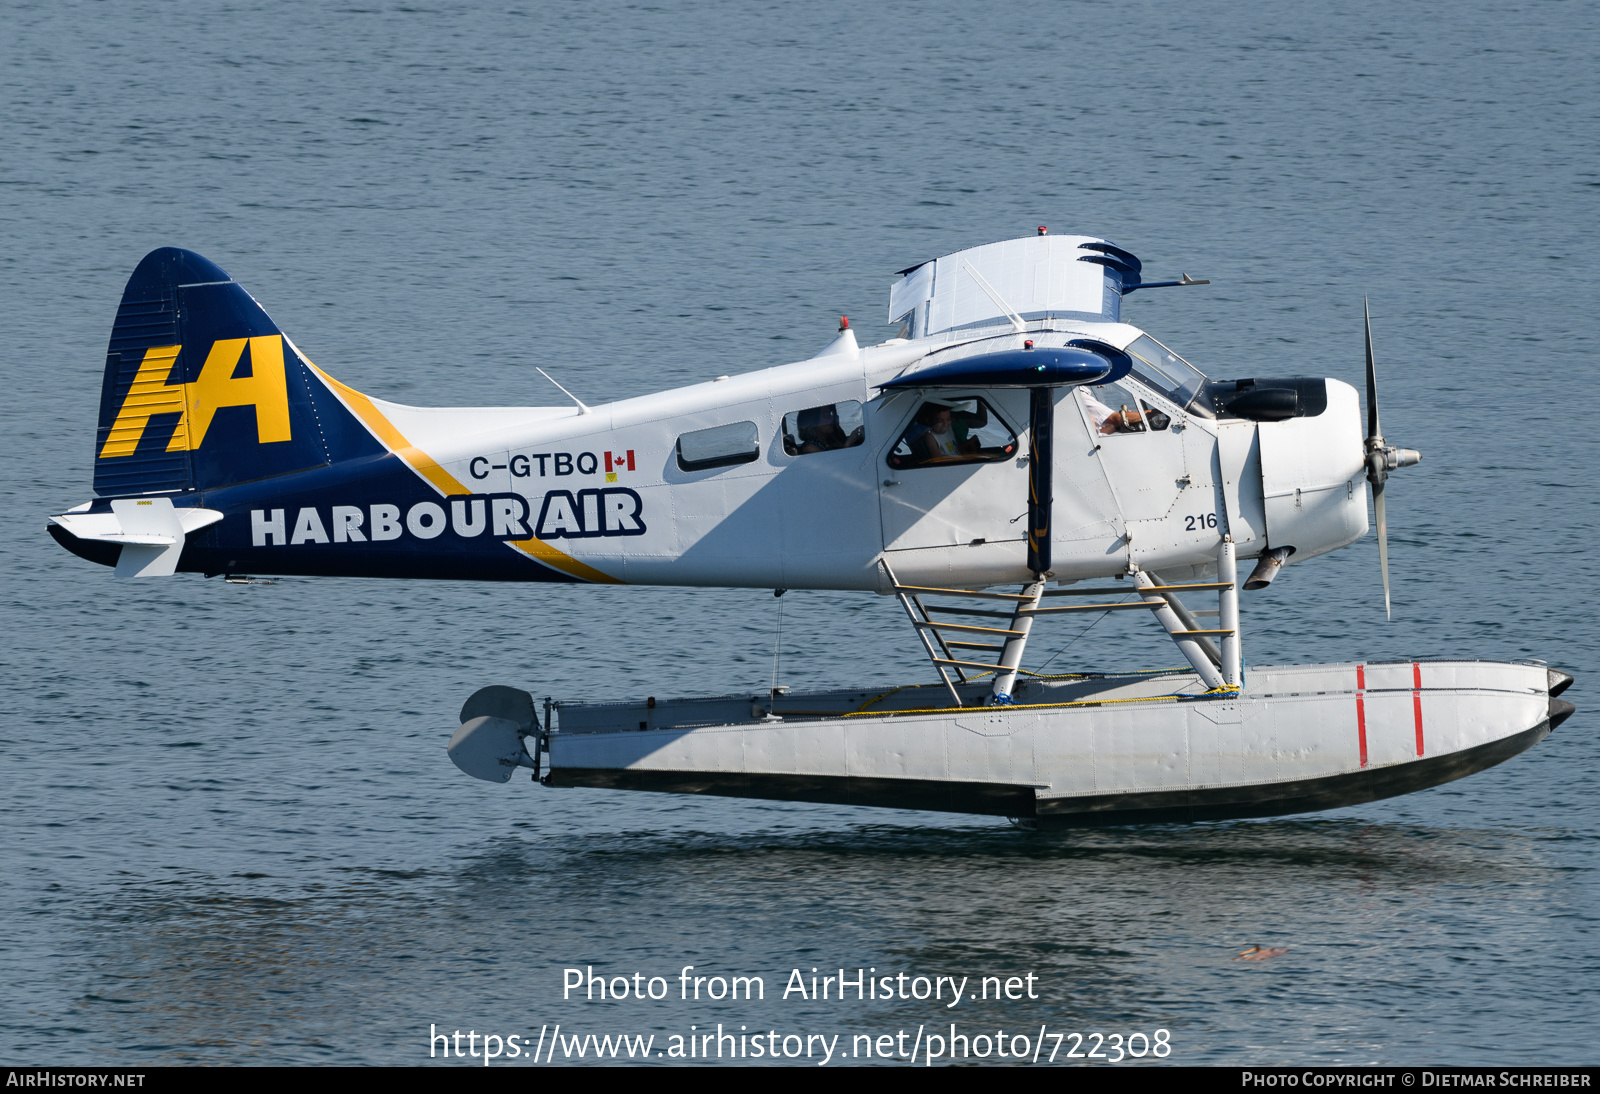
[231, 834]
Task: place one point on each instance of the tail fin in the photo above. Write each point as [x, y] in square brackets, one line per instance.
[201, 387]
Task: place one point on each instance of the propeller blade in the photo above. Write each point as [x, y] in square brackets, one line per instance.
[1383, 543]
[1372, 377]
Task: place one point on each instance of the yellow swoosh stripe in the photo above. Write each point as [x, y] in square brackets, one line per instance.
[539, 549]
[446, 483]
[415, 458]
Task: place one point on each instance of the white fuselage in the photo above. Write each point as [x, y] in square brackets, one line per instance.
[1159, 499]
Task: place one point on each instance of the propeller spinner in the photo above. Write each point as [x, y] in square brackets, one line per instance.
[1381, 459]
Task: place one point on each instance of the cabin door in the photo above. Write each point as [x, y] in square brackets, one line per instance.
[952, 472]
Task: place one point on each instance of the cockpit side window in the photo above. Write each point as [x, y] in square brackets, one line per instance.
[1118, 408]
[823, 428]
[951, 431]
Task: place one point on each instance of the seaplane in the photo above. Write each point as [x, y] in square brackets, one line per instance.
[1015, 453]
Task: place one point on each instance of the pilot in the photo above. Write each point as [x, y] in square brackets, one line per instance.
[1108, 421]
[819, 430]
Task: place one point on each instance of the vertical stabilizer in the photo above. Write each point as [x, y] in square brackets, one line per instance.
[201, 387]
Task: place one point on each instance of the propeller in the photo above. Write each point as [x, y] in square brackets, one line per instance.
[1381, 459]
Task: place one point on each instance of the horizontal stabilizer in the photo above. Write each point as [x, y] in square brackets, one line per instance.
[150, 531]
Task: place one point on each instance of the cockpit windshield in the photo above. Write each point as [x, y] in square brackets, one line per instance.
[1168, 373]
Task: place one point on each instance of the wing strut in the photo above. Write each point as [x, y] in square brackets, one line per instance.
[1041, 461]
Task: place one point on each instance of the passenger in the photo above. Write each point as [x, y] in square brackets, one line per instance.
[819, 431]
[965, 421]
[941, 431]
[937, 438]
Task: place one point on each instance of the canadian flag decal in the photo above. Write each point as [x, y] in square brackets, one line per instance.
[619, 461]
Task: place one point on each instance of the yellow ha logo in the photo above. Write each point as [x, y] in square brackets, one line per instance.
[196, 404]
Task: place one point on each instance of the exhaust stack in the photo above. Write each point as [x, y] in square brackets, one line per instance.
[1267, 568]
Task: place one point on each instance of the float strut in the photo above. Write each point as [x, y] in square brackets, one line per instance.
[1228, 611]
[1187, 640]
[1190, 622]
[922, 628]
[1005, 673]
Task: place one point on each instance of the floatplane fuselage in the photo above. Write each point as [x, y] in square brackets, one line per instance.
[1015, 433]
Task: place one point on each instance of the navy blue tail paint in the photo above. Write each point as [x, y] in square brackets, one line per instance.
[205, 398]
[202, 390]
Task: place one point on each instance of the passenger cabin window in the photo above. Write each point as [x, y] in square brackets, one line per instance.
[950, 431]
[823, 428]
[719, 446]
[1113, 408]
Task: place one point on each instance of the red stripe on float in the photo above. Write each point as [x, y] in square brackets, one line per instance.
[1416, 701]
[1361, 711]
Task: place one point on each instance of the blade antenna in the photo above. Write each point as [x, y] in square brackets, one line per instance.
[581, 408]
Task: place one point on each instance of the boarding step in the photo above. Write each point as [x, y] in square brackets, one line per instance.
[947, 631]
